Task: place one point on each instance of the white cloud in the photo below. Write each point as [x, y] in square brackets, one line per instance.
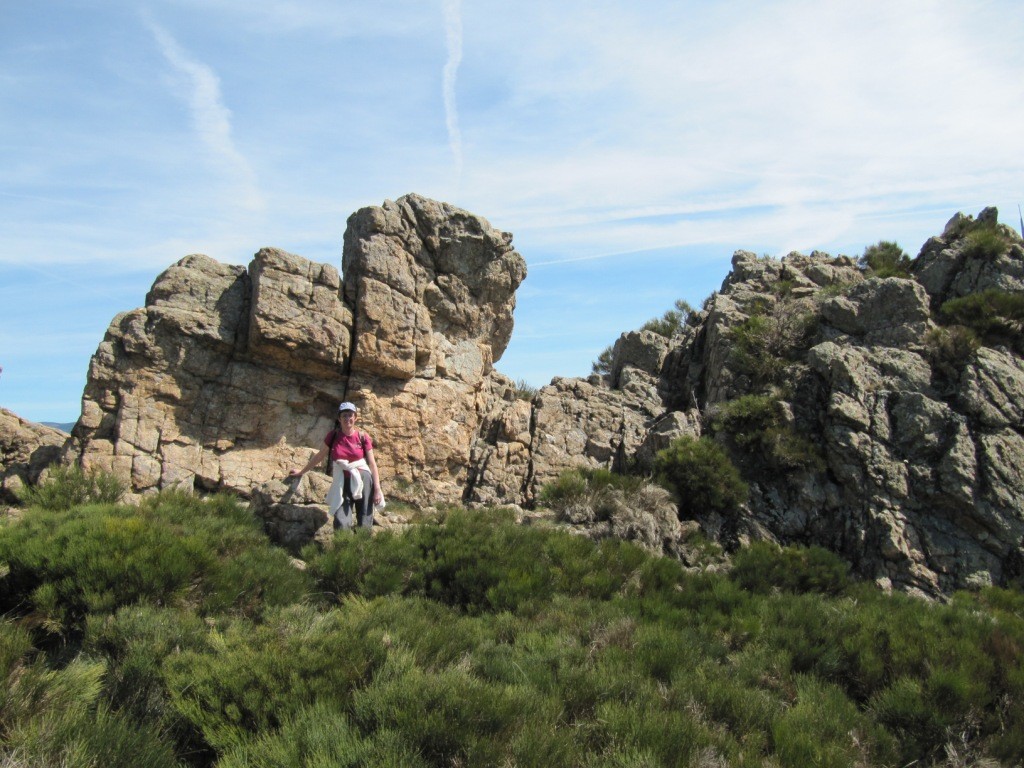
[811, 108]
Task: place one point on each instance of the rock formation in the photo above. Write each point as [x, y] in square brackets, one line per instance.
[229, 377]
[26, 449]
[894, 444]
[862, 418]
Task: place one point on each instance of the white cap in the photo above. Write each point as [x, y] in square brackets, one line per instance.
[347, 406]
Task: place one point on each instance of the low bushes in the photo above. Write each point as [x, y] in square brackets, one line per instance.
[763, 568]
[524, 390]
[68, 487]
[57, 714]
[951, 349]
[587, 495]
[473, 565]
[174, 549]
[757, 427]
[886, 259]
[670, 323]
[992, 314]
[985, 241]
[704, 478]
[766, 341]
[476, 641]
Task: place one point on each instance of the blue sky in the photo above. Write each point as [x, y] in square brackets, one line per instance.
[630, 146]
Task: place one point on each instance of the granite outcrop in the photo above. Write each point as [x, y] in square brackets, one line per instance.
[230, 376]
[863, 415]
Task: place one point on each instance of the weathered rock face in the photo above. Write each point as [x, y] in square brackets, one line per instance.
[891, 445]
[229, 376]
[906, 463]
[433, 289]
[26, 449]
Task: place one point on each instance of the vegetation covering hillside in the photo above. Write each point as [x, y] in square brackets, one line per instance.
[174, 634]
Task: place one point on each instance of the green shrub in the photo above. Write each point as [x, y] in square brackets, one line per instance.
[783, 288]
[64, 565]
[136, 641]
[904, 711]
[834, 289]
[769, 337]
[642, 733]
[569, 487]
[754, 353]
[670, 323]
[702, 475]
[524, 390]
[585, 487]
[950, 349]
[763, 567]
[74, 737]
[992, 314]
[174, 549]
[448, 716]
[985, 242]
[825, 728]
[371, 566]
[476, 641]
[15, 643]
[748, 418]
[252, 678]
[757, 426]
[55, 715]
[321, 736]
[476, 562]
[67, 487]
[886, 259]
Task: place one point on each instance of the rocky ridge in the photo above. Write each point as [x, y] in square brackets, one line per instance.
[892, 446]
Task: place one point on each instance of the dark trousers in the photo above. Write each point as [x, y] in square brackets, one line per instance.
[342, 505]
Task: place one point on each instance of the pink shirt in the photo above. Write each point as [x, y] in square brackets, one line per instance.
[349, 447]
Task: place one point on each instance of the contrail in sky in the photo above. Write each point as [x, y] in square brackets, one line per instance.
[453, 36]
[211, 118]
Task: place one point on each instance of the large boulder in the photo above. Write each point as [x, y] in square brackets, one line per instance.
[433, 291]
[26, 450]
[229, 376]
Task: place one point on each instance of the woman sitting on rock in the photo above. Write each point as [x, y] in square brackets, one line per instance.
[356, 481]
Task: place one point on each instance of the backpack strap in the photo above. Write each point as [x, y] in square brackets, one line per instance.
[330, 450]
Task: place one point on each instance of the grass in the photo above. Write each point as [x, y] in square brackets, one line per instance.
[473, 641]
